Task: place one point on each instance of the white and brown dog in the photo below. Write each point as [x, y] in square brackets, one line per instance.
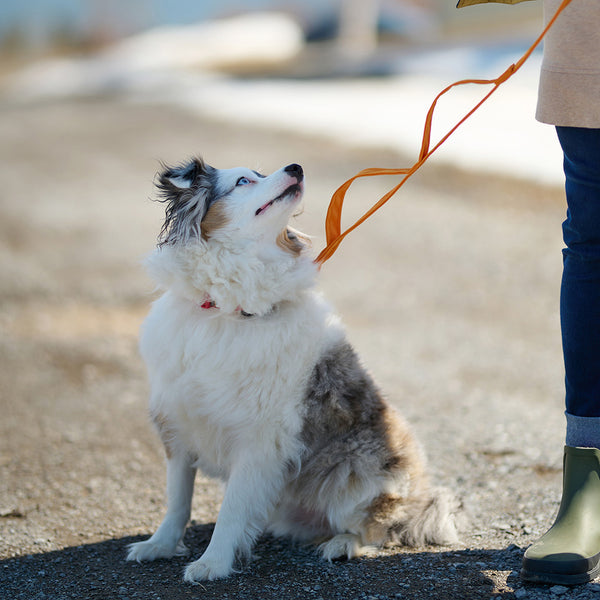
[254, 382]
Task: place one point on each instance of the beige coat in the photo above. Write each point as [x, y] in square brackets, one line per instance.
[569, 92]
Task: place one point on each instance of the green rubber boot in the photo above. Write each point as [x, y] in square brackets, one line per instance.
[569, 553]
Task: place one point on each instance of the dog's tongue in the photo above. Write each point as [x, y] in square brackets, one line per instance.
[264, 207]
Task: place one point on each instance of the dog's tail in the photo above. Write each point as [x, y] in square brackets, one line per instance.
[435, 521]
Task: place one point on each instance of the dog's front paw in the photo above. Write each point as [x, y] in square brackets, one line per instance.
[344, 545]
[150, 550]
[207, 569]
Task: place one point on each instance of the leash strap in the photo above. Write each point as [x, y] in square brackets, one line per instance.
[333, 219]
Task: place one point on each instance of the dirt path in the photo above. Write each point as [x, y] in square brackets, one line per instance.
[450, 295]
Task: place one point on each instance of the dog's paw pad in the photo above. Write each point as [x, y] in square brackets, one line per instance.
[206, 570]
[345, 545]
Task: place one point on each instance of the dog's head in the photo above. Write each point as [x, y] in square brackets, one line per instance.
[226, 236]
[230, 205]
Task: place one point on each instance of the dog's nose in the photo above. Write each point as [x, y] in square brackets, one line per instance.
[296, 171]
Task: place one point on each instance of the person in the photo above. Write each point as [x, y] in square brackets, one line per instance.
[569, 98]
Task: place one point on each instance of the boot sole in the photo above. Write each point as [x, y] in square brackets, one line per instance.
[565, 578]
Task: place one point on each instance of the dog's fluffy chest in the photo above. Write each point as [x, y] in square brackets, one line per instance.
[223, 384]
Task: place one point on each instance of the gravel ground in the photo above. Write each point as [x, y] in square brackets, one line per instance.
[450, 294]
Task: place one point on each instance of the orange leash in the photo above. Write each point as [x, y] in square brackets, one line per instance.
[333, 220]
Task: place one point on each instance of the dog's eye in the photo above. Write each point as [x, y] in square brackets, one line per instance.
[242, 181]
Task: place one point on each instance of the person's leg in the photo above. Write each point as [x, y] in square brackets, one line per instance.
[569, 552]
[580, 290]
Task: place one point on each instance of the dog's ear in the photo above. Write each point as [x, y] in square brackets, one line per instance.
[293, 241]
[187, 191]
[174, 179]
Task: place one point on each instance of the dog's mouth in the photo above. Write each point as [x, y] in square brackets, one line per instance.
[291, 192]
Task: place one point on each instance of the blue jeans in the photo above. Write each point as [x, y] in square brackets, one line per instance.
[580, 289]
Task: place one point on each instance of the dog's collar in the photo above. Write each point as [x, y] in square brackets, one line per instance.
[210, 303]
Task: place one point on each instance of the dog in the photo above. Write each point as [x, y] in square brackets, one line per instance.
[254, 382]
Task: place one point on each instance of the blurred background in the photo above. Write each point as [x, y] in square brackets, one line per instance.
[327, 61]
[80, 24]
